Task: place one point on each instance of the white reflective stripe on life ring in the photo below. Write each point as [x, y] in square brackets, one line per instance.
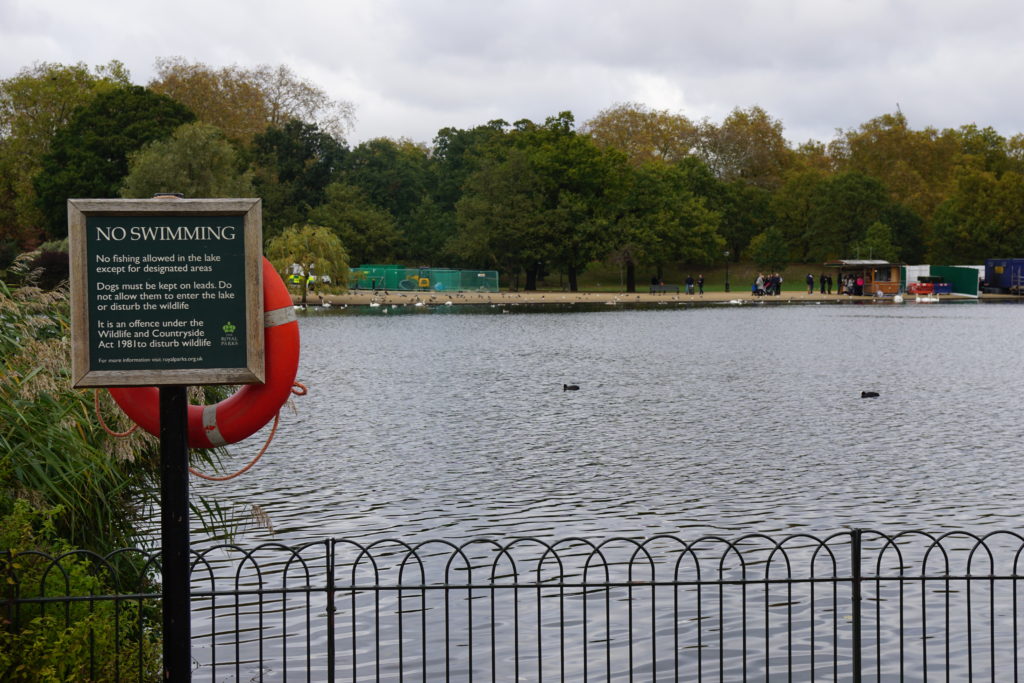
[281, 316]
[210, 426]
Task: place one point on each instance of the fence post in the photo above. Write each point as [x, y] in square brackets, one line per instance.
[855, 597]
[330, 609]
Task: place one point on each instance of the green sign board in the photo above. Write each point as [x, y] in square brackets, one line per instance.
[165, 292]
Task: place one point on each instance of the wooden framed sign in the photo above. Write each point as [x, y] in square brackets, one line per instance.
[166, 291]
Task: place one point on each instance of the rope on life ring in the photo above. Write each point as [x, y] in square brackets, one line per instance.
[103, 424]
[242, 414]
[299, 390]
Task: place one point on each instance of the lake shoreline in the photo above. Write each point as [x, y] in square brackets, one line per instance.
[387, 297]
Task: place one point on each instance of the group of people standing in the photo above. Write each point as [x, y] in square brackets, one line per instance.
[770, 285]
[854, 286]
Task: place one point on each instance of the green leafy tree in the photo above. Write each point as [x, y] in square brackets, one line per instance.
[399, 177]
[981, 148]
[458, 153]
[845, 207]
[502, 218]
[574, 175]
[89, 156]
[548, 197]
[367, 231]
[293, 165]
[877, 243]
[661, 220]
[768, 250]
[315, 249]
[427, 233]
[394, 174]
[983, 218]
[455, 155]
[196, 161]
[34, 104]
[745, 211]
[792, 209]
[1015, 151]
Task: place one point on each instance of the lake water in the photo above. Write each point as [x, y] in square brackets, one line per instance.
[723, 419]
[452, 423]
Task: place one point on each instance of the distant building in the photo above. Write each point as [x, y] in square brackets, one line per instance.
[878, 276]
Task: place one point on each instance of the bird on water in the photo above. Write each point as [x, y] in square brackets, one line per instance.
[569, 387]
[869, 394]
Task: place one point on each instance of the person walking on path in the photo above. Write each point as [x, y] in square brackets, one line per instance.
[700, 284]
[689, 284]
[821, 282]
[810, 283]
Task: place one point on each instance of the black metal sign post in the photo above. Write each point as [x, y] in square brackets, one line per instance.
[158, 290]
[174, 530]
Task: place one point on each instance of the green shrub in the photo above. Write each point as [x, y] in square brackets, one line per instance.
[74, 641]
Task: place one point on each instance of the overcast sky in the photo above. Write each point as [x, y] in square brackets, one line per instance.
[411, 67]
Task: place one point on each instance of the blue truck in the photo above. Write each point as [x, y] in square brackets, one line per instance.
[1003, 276]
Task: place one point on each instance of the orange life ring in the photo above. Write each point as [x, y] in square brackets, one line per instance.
[243, 413]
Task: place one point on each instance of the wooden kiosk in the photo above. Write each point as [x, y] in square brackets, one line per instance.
[877, 278]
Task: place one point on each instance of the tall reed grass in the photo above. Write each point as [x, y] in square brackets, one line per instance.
[53, 453]
[67, 484]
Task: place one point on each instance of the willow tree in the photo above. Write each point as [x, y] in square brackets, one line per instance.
[315, 249]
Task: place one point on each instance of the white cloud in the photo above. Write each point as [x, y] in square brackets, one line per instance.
[412, 67]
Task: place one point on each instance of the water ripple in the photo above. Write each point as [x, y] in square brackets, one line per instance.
[687, 420]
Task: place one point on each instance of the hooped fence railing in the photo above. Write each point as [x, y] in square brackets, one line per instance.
[856, 605]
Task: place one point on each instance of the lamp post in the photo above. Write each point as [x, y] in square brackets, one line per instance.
[726, 255]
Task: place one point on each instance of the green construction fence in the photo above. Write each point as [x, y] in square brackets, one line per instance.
[400, 278]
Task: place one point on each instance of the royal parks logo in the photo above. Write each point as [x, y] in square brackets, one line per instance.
[228, 338]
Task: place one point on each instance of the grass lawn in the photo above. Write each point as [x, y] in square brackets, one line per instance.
[600, 277]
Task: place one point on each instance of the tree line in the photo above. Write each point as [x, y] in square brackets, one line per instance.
[634, 186]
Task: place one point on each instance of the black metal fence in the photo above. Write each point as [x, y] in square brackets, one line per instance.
[857, 605]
